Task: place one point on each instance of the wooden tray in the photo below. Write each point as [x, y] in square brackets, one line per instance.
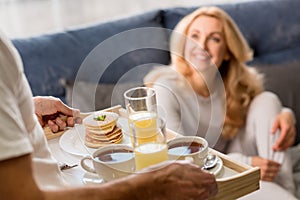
[235, 179]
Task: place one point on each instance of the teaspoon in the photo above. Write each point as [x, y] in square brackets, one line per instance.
[210, 161]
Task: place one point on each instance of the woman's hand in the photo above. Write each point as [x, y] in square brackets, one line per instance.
[268, 168]
[53, 112]
[285, 121]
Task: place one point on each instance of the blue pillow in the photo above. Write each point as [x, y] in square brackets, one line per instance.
[49, 58]
[284, 56]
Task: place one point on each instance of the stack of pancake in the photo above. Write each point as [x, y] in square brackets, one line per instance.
[101, 129]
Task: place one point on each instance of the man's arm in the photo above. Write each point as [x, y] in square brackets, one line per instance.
[185, 180]
[18, 183]
[17, 180]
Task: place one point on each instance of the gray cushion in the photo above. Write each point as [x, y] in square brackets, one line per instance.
[283, 79]
[90, 97]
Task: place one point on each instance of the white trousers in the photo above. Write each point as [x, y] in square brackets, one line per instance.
[255, 139]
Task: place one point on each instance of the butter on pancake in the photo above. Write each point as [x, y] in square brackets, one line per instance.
[101, 120]
[101, 129]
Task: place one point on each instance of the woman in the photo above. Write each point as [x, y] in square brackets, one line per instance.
[210, 92]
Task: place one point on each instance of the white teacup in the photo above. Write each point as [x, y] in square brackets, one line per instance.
[188, 148]
[111, 162]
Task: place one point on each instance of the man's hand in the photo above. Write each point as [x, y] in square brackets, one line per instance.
[285, 122]
[53, 112]
[176, 180]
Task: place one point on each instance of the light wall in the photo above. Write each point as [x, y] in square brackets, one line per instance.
[23, 18]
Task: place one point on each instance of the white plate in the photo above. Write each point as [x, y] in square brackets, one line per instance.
[72, 141]
[217, 169]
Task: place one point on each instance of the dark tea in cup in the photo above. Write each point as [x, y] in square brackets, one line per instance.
[192, 148]
[115, 155]
[185, 148]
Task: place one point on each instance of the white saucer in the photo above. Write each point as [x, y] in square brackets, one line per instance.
[90, 178]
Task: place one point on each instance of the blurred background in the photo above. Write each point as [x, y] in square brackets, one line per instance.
[23, 18]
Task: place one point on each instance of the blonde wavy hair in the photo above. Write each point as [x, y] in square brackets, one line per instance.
[241, 83]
